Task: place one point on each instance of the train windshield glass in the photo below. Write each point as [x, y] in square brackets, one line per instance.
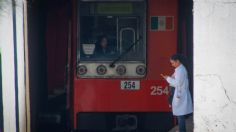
[108, 31]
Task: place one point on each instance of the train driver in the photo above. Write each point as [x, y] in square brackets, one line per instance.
[103, 49]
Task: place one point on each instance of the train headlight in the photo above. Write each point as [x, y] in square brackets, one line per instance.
[141, 70]
[101, 70]
[82, 70]
[121, 69]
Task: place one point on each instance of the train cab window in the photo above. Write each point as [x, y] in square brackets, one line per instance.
[109, 30]
[111, 38]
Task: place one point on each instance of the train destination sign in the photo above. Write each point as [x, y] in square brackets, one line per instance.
[114, 8]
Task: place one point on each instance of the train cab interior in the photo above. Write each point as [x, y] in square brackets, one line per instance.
[110, 34]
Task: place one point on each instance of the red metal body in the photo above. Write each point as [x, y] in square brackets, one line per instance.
[105, 95]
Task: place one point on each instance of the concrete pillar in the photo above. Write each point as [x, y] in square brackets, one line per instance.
[13, 65]
[214, 65]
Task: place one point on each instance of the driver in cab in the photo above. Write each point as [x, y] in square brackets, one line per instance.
[102, 48]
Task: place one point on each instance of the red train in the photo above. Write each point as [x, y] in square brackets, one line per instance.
[122, 90]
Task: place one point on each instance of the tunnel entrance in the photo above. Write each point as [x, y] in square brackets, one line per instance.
[52, 57]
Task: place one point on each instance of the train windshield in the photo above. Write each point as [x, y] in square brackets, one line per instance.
[108, 31]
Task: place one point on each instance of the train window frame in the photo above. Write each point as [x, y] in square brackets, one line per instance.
[131, 60]
[142, 29]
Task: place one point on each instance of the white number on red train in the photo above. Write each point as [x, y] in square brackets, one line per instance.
[159, 90]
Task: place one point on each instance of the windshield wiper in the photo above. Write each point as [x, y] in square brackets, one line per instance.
[124, 53]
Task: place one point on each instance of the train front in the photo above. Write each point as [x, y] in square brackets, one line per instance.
[117, 86]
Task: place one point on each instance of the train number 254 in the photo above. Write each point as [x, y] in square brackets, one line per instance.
[159, 90]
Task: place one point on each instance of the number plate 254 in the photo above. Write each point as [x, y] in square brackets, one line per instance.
[130, 85]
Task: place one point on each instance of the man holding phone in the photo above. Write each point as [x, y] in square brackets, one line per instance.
[182, 101]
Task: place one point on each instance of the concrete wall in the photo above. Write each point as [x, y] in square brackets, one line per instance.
[13, 72]
[8, 85]
[215, 65]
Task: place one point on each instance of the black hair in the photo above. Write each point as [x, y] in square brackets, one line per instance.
[99, 40]
[176, 57]
[98, 48]
[180, 58]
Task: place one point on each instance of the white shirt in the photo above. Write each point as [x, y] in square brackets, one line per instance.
[182, 101]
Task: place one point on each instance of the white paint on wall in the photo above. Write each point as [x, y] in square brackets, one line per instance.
[8, 69]
[8, 78]
[214, 65]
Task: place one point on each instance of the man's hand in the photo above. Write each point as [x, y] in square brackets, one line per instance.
[164, 76]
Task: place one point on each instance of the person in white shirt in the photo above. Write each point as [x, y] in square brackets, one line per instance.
[182, 101]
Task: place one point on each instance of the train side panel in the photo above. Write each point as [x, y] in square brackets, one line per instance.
[161, 44]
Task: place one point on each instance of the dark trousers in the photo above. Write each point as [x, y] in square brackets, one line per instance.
[171, 95]
[181, 122]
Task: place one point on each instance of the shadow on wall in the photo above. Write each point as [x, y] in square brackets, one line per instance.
[185, 35]
[37, 59]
